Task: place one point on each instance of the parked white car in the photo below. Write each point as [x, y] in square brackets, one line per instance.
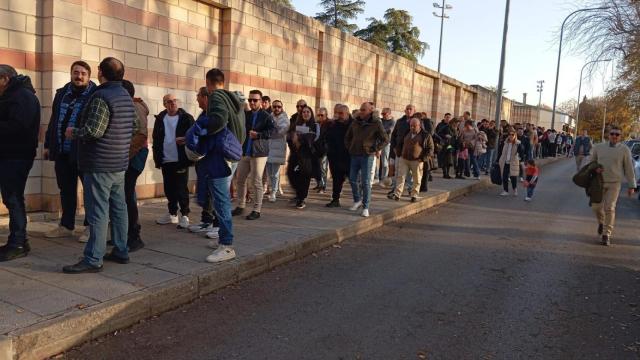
[634, 146]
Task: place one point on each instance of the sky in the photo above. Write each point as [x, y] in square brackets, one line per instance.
[472, 41]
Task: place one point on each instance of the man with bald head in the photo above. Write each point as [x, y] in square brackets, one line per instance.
[365, 138]
[103, 134]
[169, 132]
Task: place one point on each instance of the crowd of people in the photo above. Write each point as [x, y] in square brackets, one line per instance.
[97, 134]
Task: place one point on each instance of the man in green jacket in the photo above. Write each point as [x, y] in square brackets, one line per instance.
[225, 110]
[617, 166]
[365, 139]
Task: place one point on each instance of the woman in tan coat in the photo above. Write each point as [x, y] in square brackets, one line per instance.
[512, 152]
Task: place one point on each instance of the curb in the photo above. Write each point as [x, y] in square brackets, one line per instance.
[56, 335]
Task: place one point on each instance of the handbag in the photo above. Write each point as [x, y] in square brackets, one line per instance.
[496, 174]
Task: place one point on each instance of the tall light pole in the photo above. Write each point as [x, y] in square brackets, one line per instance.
[539, 89]
[505, 29]
[555, 92]
[580, 88]
[442, 16]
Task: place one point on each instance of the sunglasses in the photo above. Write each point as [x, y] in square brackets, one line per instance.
[254, 100]
[615, 133]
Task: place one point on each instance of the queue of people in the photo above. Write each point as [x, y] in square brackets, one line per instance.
[97, 134]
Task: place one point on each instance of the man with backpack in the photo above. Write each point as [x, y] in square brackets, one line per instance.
[226, 119]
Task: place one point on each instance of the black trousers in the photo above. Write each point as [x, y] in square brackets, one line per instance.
[506, 177]
[67, 175]
[300, 181]
[130, 179]
[176, 187]
[339, 173]
[424, 182]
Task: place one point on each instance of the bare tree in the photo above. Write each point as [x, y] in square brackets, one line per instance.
[612, 33]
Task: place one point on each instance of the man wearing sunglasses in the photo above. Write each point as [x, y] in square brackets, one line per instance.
[259, 128]
[617, 166]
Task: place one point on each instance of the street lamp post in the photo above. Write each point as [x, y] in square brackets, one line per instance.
[442, 16]
[580, 88]
[555, 92]
[501, 75]
[539, 89]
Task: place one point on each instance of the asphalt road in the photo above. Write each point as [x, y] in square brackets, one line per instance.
[484, 277]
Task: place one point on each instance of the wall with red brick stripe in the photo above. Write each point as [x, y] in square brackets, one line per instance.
[168, 45]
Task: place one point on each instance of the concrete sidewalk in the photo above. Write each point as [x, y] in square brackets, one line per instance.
[44, 312]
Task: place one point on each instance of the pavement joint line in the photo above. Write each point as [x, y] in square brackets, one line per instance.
[54, 335]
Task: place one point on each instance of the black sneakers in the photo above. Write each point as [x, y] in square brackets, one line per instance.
[9, 253]
[333, 204]
[80, 268]
[301, 205]
[606, 240]
[393, 197]
[113, 258]
[237, 211]
[253, 216]
[600, 226]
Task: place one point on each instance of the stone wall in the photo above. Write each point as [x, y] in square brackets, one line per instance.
[168, 45]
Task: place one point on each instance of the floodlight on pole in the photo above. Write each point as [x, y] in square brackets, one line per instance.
[442, 16]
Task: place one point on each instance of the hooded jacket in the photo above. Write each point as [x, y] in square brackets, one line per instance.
[226, 110]
[19, 120]
[185, 120]
[366, 136]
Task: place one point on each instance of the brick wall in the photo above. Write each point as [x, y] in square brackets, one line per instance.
[168, 45]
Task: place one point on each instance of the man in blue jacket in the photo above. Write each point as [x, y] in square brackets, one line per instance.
[259, 126]
[19, 127]
[582, 148]
[67, 106]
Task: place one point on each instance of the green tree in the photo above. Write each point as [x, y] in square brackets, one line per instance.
[285, 3]
[338, 13]
[395, 33]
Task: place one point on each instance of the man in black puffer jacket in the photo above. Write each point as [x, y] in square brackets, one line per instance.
[337, 152]
[19, 126]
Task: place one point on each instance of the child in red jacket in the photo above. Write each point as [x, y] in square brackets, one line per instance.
[531, 172]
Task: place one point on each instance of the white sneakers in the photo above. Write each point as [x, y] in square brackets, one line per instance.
[85, 235]
[504, 193]
[515, 192]
[213, 233]
[272, 197]
[184, 222]
[527, 199]
[167, 219]
[356, 206]
[200, 228]
[59, 232]
[222, 253]
[365, 213]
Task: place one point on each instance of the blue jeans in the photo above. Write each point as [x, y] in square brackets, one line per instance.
[384, 162]
[273, 173]
[104, 199]
[361, 165]
[485, 159]
[530, 190]
[13, 180]
[219, 189]
[474, 165]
